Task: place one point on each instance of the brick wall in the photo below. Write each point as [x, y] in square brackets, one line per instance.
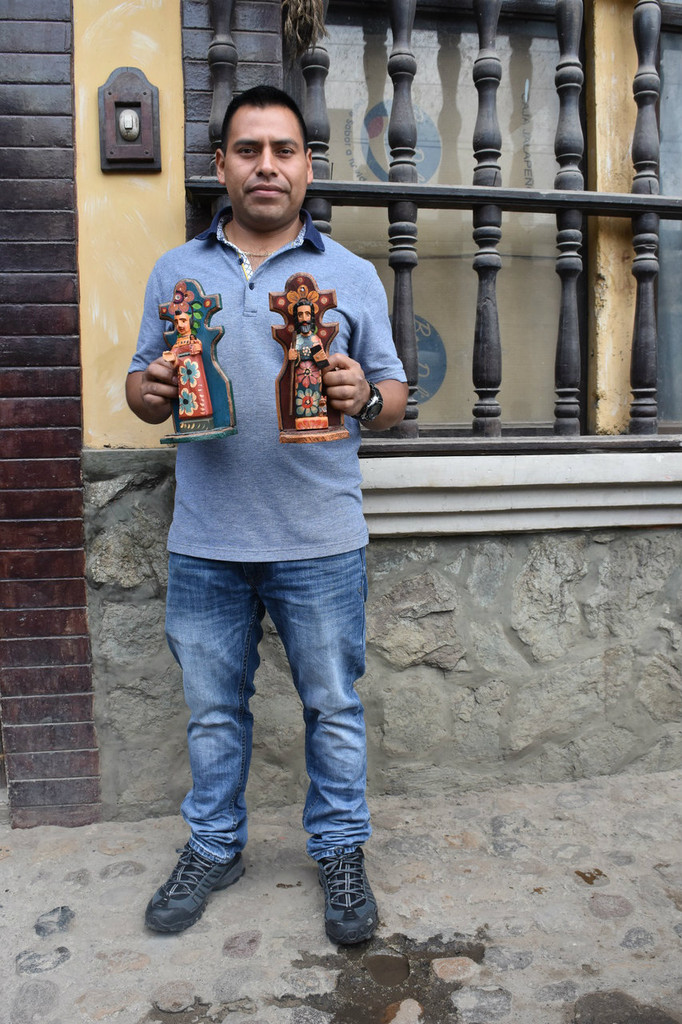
[46, 709]
[45, 676]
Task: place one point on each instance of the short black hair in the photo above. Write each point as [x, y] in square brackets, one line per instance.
[262, 96]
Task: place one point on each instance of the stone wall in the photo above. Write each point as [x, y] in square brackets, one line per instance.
[490, 660]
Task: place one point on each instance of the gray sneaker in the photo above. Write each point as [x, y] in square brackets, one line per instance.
[350, 912]
[181, 901]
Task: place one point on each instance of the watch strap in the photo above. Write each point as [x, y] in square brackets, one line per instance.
[372, 406]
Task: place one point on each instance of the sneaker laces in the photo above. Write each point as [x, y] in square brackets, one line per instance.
[187, 873]
[346, 880]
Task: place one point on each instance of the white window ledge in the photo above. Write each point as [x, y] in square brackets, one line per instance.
[511, 493]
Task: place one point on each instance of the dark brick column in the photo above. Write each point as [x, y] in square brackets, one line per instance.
[45, 670]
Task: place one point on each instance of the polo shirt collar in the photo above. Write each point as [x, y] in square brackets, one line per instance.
[311, 234]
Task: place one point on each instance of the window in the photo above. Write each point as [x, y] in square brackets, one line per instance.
[359, 93]
[530, 297]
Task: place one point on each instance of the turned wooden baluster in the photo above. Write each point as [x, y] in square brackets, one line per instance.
[568, 147]
[402, 216]
[487, 362]
[222, 61]
[315, 68]
[645, 155]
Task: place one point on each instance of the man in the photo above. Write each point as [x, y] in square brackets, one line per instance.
[263, 526]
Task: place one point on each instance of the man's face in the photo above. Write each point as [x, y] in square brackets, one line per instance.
[182, 324]
[304, 316]
[265, 168]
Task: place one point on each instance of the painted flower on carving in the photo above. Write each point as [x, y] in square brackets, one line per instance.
[303, 292]
[183, 297]
[307, 375]
[188, 402]
[307, 402]
[185, 301]
[189, 373]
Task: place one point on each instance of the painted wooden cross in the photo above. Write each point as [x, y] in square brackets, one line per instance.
[302, 408]
[204, 408]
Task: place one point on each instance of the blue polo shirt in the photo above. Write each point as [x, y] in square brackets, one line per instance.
[248, 497]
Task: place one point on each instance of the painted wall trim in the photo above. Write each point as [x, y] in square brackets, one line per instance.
[507, 493]
[492, 494]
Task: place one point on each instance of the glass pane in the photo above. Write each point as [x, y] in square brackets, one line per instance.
[669, 292]
[359, 93]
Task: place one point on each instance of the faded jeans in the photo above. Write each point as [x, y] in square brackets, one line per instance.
[213, 626]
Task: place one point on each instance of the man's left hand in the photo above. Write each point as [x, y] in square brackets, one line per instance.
[348, 391]
[345, 384]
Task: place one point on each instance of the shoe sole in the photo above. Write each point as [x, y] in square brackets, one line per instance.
[351, 938]
[233, 876]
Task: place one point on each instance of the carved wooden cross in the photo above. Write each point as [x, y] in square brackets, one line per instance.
[204, 408]
[302, 409]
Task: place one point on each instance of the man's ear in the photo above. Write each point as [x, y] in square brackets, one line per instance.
[220, 166]
[309, 161]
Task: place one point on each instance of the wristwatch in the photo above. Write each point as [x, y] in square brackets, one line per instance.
[372, 406]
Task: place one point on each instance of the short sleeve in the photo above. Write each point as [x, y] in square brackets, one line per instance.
[371, 342]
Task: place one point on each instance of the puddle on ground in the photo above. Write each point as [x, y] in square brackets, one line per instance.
[376, 977]
[387, 969]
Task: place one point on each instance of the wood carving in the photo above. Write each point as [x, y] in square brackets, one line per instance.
[205, 405]
[302, 408]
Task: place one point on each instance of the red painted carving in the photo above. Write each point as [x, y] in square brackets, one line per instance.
[302, 409]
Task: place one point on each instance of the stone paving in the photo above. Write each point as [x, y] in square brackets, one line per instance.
[540, 904]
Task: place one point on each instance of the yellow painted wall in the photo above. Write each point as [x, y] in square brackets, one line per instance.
[611, 67]
[125, 221]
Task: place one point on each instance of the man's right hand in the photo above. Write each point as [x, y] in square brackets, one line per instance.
[149, 392]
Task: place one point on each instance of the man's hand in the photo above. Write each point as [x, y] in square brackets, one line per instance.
[348, 391]
[149, 392]
[345, 384]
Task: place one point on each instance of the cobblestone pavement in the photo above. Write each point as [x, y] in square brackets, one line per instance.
[540, 904]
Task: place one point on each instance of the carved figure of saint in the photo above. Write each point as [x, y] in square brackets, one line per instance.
[185, 355]
[308, 401]
[304, 412]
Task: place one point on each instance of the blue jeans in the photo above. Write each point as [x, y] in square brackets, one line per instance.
[213, 625]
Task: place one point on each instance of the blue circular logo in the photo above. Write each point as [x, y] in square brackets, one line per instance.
[432, 359]
[375, 146]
